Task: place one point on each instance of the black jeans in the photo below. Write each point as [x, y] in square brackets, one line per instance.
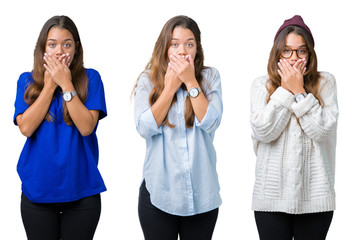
[283, 226]
[66, 221]
[159, 225]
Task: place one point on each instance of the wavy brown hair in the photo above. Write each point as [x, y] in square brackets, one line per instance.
[158, 64]
[79, 77]
[311, 76]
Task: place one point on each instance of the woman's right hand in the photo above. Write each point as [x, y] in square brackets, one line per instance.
[59, 70]
[29, 121]
[161, 107]
[171, 82]
[48, 81]
[292, 77]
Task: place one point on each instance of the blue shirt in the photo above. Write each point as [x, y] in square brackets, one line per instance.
[180, 163]
[57, 163]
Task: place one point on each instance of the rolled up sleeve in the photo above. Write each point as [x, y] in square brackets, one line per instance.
[144, 119]
[213, 93]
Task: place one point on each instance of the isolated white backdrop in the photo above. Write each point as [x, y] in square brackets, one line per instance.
[118, 38]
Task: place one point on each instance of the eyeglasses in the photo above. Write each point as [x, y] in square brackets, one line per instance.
[301, 53]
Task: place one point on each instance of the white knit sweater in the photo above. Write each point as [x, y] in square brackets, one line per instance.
[295, 167]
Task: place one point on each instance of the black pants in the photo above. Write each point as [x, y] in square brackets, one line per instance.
[283, 226]
[158, 225]
[66, 221]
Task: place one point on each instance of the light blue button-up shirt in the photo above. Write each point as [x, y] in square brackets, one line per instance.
[180, 163]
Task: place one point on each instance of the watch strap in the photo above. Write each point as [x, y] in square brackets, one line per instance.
[73, 93]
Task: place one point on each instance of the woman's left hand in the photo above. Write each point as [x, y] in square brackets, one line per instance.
[59, 70]
[184, 67]
[292, 77]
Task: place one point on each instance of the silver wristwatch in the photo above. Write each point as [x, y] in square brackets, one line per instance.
[194, 92]
[67, 96]
[300, 96]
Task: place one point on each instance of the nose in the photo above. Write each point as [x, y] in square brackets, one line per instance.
[182, 51]
[59, 51]
[294, 55]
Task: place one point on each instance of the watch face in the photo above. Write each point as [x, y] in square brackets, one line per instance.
[67, 96]
[193, 92]
[299, 97]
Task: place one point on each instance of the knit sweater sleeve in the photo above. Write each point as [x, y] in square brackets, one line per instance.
[316, 121]
[268, 120]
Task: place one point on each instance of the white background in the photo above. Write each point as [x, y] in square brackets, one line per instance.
[118, 39]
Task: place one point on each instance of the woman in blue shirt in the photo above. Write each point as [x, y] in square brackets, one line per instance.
[57, 108]
[178, 107]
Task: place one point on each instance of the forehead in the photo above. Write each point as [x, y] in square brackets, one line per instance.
[295, 40]
[181, 33]
[56, 33]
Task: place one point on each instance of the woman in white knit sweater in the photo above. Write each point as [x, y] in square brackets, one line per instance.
[294, 116]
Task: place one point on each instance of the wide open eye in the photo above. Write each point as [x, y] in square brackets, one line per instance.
[287, 51]
[302, 51]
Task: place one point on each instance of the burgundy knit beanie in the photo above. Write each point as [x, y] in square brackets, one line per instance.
[296, 21]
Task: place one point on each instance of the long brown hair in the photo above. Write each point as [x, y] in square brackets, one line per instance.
[158, 64]
[311, 77]
[79, 77]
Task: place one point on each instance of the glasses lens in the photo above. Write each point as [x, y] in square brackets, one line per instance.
[286, 53]
[302, 53]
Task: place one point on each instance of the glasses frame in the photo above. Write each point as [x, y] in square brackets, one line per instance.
[294, 50]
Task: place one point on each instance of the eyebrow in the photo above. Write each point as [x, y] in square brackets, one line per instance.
[190, 39]
[66, 40]
[298, 46]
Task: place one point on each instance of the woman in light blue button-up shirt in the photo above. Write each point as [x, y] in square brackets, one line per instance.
[178, 107]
